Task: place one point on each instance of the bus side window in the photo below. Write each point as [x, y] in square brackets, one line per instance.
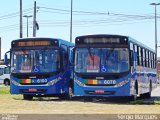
[1, 71]
[131, 58]
[6, 70]
[138, 63]
[136, 54]
[131, 54]
[142, 57]
[154, 59]
[149, 60]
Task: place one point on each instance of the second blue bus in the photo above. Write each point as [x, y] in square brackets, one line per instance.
[113, 65]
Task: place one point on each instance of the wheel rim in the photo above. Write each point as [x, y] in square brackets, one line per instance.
[135, 94]
[6, 83]
[70, 92]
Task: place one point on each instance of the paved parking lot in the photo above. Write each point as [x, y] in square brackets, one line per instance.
[156, 92]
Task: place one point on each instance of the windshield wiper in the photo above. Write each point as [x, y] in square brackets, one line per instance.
[109, 54]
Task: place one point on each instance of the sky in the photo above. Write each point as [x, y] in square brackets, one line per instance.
[134, 18]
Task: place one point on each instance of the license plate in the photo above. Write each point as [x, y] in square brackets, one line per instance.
[42, 81]
[99, 91]
[32, 90]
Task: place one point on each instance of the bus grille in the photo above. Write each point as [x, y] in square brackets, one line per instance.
[100, 92]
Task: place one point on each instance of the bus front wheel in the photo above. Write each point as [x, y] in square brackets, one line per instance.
[67, 96]
[6, 82]
[70, 93]
[27, 97]
[134, 97]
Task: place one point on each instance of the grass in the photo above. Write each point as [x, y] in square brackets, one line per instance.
[155, 101]
[137, 102]
[5, 90]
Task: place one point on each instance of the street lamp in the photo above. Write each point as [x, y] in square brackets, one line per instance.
[27, 16]
[155, 4]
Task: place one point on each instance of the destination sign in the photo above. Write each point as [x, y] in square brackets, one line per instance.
[33, 43]
[104, 40]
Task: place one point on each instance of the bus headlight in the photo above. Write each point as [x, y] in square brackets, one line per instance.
[120, 84]
[79, 83]
[52, 82]
[14, 82]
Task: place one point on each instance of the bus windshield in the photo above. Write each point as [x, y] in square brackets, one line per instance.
[35, 61]
[101, 60]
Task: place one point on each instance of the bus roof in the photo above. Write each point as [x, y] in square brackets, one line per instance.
[45, 38]
[140, 44]
[100, 35]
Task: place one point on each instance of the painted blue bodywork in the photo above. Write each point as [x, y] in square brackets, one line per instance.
[59, 85]
[111, 90]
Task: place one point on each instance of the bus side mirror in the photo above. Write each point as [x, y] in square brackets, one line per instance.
[6, 58]
[73, 56]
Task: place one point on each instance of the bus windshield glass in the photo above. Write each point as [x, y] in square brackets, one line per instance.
[35, 61]
[101, 60]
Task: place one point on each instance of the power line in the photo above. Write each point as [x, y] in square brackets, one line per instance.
[112, 18]
[15, 14]
[64, 11]
[80, 22]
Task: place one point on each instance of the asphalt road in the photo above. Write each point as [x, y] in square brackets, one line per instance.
[156, 92]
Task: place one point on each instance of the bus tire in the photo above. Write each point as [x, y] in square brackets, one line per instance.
[67, 96]
[87, 99]
[148, 95]
[27, 97]
[6, 82]
[70, 93]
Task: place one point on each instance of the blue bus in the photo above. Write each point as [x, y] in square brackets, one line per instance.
[41, 67]
[113, 65]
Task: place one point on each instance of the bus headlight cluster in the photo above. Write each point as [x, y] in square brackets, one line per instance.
[14, 82]
[52, 82]
[79, 83]
[122, 83]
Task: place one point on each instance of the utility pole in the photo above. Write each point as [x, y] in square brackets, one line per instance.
[21, 27]
[71, 21]
[155, 4]
[34, 20]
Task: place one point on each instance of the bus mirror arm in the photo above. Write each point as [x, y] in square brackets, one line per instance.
[6, 58]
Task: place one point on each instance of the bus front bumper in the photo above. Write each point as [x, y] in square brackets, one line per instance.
[102, 91]
[39, 89]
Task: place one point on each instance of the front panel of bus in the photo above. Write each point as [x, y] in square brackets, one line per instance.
[36, 68]
[102, 66]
